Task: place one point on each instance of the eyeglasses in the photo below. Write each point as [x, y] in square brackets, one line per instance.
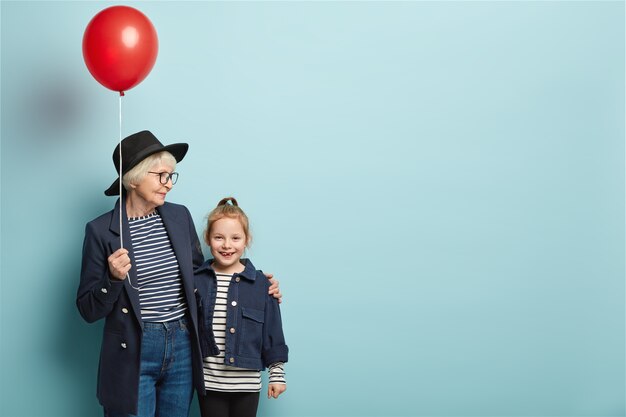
[164, 177]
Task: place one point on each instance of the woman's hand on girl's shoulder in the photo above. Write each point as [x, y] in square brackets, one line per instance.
[274, 290]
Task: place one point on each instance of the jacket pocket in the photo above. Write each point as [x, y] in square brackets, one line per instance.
[251, 339]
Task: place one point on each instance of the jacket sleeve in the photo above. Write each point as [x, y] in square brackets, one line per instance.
[97, 293]
[274, 347]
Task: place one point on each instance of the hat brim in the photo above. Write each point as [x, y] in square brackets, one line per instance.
[178, 150]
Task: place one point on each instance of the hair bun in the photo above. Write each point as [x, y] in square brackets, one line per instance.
[224, 201]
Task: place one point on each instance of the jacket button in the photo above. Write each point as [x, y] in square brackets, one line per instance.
[125, 310]
[237, 279]
[104, 290]
[234, 303]
[123, 345]
[231, 360]
[232, 330]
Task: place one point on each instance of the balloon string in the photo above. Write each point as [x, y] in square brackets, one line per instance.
[120, 176]
[121, 200]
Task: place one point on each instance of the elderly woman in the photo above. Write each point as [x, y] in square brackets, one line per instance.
[150, 358]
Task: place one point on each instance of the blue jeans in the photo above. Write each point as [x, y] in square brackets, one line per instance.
[165, 381]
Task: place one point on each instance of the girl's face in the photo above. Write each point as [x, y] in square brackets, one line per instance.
[227, 242]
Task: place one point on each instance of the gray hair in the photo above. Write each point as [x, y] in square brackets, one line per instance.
[139, 171]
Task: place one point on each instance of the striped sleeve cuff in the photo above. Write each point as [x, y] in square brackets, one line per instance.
[277, 373]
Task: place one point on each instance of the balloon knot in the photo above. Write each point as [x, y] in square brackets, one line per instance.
[121, 94]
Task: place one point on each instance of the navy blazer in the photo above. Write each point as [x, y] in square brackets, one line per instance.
[100, 297]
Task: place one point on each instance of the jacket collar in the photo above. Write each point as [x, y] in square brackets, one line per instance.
[114, 226]
[248, 273]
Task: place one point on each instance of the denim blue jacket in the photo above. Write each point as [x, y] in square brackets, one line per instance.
[254, 331]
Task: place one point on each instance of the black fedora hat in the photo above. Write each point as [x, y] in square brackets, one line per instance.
[135, 148]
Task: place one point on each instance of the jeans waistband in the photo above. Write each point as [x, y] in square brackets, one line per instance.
[167, 325]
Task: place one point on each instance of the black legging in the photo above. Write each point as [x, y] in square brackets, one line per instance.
[228, 404]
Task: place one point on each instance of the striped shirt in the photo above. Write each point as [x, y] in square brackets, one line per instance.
[158, 277]
[220, 377]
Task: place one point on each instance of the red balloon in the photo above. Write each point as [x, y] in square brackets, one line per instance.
[120, 47]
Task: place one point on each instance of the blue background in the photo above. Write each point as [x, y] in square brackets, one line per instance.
[439, 188]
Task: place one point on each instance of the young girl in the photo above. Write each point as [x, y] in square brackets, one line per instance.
[239, 323]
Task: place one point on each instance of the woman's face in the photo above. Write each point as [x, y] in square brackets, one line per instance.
[150, 190]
